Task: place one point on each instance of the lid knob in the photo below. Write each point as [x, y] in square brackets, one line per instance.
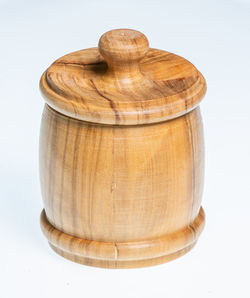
[122, 49]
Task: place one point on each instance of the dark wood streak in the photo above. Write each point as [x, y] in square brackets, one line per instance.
[75, 175]
[57, 90]
[63, 171]
[90, 203]
[193, 186]
[92, 177]
[112, 104]
[113, 181]
[52, 165]
[101, 63]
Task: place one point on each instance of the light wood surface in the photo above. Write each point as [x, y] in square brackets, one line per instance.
[124, 195]
[151, 86]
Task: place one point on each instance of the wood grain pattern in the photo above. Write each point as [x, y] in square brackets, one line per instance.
[124, 195]
[145, 89]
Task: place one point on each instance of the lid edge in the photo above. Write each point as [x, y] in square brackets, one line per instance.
[162, 110]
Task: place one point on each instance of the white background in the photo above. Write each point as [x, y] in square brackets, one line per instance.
[213, 35]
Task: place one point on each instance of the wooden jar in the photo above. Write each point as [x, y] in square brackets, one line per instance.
[121, 154]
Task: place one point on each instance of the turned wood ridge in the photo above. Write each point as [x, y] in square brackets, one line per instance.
[121, 154]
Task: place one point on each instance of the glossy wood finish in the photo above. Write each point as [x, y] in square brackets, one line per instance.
[143, 89]
[121, 196]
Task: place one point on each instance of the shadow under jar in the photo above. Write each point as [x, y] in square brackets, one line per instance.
[121, 154]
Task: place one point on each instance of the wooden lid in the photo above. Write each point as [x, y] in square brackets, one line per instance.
[122, 82]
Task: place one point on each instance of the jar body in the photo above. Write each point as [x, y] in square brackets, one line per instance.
[124, 194]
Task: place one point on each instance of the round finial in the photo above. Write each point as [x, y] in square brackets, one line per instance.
[123, 46]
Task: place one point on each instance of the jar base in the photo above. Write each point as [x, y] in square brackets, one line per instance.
[108, 264]
[123, 255]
